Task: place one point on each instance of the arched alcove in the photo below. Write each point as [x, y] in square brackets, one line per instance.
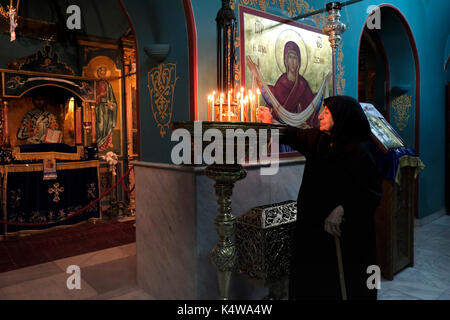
[389, 74]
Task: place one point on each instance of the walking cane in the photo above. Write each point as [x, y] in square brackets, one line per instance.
[341, 268]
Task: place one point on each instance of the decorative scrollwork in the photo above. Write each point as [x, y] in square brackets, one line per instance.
[161, 84]
[340, 81]
[263, 241]
[269, 216]
[224, 258]
[401, 106]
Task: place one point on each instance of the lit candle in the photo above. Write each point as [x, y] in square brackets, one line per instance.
[229, 105]
[246, 107]
[93, 124]
[241, 107]
[213, 112]
[242, 93]
[220, 109]
[209, 109]
[258, 93]
[250, 109]
[254, 109]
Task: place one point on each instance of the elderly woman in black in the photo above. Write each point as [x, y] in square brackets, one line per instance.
[340, 191]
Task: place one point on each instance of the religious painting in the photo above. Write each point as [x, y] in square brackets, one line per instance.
[37, 122]
[50, 169]
[108, 106]
[291, 64]
[41, 115]
[381, 129]
[35, 119]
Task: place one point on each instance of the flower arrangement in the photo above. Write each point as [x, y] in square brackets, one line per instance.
[112, 159]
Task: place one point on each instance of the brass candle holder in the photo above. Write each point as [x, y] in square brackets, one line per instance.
[224, 255]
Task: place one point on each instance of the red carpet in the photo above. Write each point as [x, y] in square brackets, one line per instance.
[20, 252]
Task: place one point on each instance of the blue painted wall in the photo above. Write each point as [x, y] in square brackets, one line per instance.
[160, 22]
[429, 24]
[401, 69]
[165, 22]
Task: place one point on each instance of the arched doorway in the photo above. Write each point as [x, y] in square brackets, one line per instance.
[389, 78]
[388, 73]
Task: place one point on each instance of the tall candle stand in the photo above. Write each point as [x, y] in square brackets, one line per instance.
[224, 254]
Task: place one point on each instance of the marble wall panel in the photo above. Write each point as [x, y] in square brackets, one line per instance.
[165, 232]
[175, 212]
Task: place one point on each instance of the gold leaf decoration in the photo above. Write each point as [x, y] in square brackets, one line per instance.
[161, 84]
[401, 106]
[340, 81]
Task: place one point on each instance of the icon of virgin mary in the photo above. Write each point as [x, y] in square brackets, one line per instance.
[291, 98]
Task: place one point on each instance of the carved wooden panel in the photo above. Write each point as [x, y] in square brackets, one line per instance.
[395, 224]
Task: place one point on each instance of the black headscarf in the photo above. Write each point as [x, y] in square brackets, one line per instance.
[350, 121]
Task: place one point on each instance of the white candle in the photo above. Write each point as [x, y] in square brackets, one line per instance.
[238, 97]
[246, 106]
[258, 93]
[220, 108]
[213, 113]
[242, 97]
[229, 105]
[250, 98]
[209, 109]
[253, 108]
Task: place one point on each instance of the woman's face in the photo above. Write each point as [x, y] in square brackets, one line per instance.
[326, 120]
[292, 62]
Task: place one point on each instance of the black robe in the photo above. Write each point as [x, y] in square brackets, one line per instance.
[337, 172]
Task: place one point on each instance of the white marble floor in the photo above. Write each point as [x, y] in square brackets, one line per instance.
[110, 274]
[429, 279]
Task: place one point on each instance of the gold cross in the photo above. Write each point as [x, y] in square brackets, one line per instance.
[56, 190]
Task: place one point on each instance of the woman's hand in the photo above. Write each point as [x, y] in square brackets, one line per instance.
[263, 114]
[333, 221]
